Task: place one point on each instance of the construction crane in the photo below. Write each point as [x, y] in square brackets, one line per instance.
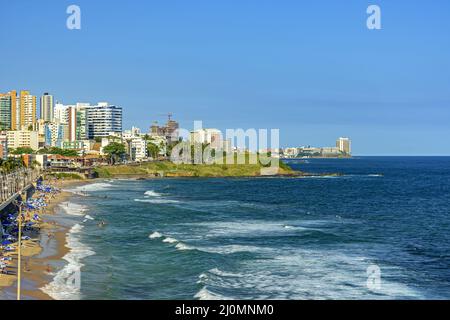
[169, 115]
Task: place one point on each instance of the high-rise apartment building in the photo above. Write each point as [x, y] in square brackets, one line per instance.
[104, 119]
[78, 122]
[27, 116]
[8, 111]
[54, 134]
[5, 112]
[61, 113]
[47, 107]
[344, 145]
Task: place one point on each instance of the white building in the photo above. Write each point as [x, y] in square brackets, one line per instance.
[134, 132]
[61, 113]
[137, 145]
[23, 138]
[291, 152]
[344, 145]
[54, 134]
[137, 149]
[3, 145]
[103, 119]
[213, 137]
[42, 160]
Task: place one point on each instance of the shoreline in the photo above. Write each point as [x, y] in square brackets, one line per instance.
[38, 255]
[49, 248]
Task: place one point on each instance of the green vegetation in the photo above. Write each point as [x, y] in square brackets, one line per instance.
[170, 169]
[67, 176]
[46, 150]
[22, 150]
[59, 151]
[115, 151]
[153, 150]
[11, 164]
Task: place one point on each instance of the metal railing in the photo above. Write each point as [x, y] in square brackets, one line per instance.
[16, 181]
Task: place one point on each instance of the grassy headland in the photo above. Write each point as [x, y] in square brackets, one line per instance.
[170, 169]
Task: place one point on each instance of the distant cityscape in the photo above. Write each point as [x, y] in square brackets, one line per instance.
[343, 149]
[84, 130]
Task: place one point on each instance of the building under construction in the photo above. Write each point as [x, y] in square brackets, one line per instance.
[169, 130]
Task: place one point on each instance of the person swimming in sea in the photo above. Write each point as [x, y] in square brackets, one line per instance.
[101, 224]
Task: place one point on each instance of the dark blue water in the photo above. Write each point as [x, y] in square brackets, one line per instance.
[273, 238]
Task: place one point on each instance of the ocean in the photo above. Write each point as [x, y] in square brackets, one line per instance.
[318, 237]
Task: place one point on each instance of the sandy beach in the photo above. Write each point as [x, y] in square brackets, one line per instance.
[45, 248]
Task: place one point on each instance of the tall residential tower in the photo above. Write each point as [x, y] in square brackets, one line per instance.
[104, 119]
[8, 111]
[47, 107]
[27, 116]
[344, 145]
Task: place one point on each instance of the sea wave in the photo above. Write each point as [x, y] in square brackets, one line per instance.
[66, 284]
[181, 246]
[306, 274]
[152, 193]
[206, 294]
[155, 235]
[156, 201]
[229, 249]
[73, 209]
[170, 240]
[250, 228]
[99, 186]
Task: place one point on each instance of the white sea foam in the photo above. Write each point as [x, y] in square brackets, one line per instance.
[179, 245]
[170, 240]
[229, 249]
[221, 273]
[155, 235]
[249, 228]
[73, 209]
[152, 193]
[156, 201]
[182, 246]
[88, 217]
[99, 186]
[62, 287]
[306, 274]
[205, 294]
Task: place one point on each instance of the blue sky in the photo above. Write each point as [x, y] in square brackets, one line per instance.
[310, 68]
